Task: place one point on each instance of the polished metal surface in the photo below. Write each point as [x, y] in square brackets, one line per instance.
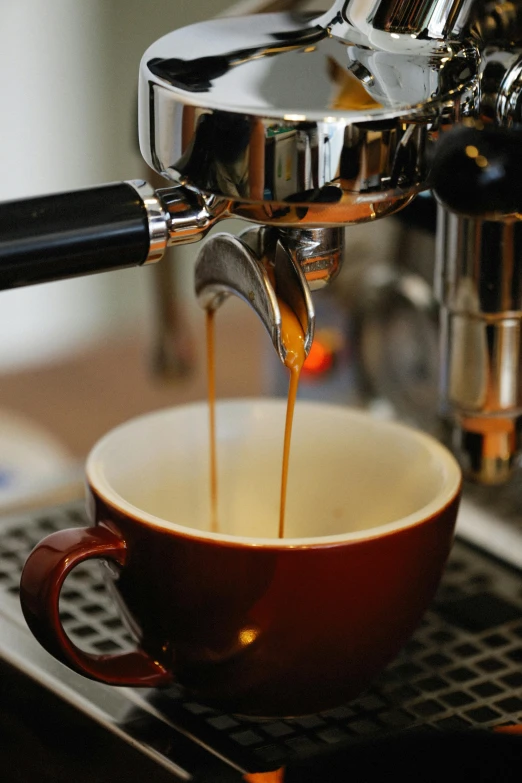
[480, 291]
[289, 125]
[229, 265]
[190, 215]
[317, 251]
[176, 216]
[157, 219]
[425, 25]
[482, 361]
[509, 101]
[429, 24]
[479, 265]
[437, 19]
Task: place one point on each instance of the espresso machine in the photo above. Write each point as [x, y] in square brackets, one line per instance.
[304, 124]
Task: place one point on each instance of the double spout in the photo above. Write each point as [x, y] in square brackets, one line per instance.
[266, 267]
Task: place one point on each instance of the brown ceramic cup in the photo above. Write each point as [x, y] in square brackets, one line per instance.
[245, 621]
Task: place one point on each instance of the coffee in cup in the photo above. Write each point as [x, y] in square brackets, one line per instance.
[244, 620]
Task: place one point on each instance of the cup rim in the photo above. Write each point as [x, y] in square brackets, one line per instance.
[449, 492]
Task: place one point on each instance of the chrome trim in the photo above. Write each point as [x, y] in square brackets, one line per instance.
[157, 219]
[268, 118]
[438, 19]
[190, 215]
[427, 26]
[176, 216]
[479, 264]
[317, 251]
[480, 290]
[509, 100]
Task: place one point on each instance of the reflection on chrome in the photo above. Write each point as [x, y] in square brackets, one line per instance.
[292, 124]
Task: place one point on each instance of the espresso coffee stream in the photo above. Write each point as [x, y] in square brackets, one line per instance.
[293, 340]
[211, 390]
[292, 336]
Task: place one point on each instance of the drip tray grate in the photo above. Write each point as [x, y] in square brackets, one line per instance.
[461, 669]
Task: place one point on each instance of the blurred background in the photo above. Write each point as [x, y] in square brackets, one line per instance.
[69, 120]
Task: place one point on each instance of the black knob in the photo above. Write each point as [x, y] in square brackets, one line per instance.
[477, 170]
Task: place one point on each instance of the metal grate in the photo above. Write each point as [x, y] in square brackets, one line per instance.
[462, 668]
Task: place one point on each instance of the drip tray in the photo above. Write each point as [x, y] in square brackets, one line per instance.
[461, 669]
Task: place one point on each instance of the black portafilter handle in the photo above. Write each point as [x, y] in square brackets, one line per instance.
[476, 170]
[69, 234]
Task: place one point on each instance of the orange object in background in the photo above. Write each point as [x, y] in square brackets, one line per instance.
[515, 729]
[321, 357]
[277, 776]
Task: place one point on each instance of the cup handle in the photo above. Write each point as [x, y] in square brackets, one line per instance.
[42, 578]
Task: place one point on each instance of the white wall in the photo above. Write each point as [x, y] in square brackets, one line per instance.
[67, 120]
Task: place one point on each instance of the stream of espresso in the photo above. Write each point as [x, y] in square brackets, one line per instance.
[293, 337]
[211, 390]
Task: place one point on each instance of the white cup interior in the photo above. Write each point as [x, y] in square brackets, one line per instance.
[349, 473]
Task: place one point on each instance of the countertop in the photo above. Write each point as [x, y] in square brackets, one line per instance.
[80, 398]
